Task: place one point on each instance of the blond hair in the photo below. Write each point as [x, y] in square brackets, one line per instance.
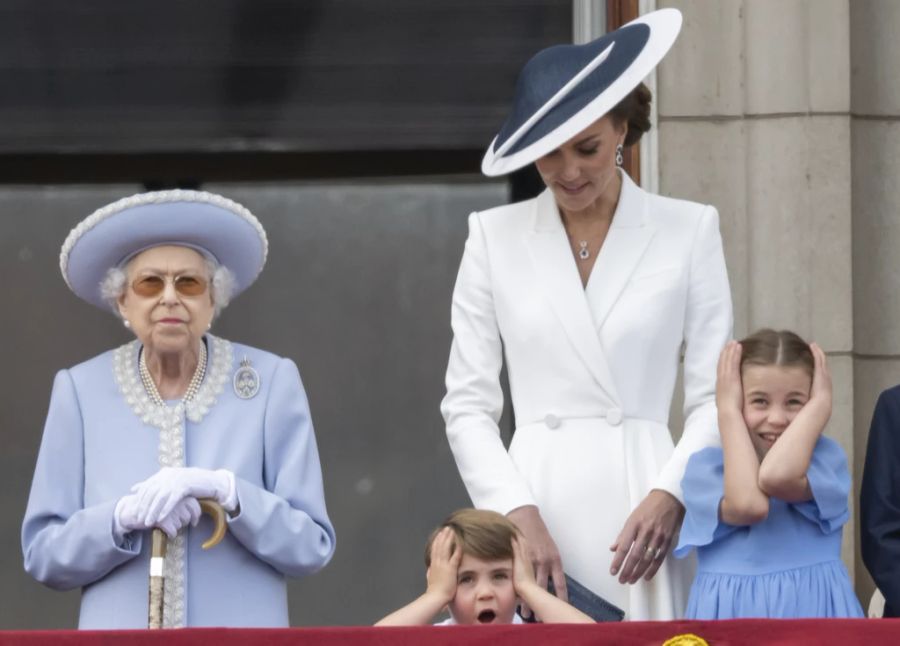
[483, 534]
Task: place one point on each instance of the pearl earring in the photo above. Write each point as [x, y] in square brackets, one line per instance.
[126, 323]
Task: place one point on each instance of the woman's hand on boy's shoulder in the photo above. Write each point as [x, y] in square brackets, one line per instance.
[444, 569]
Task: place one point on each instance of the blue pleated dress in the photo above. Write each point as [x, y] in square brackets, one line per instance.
[789, 565]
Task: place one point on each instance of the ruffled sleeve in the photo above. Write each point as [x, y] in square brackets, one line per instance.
[829, 479]
[703, 486]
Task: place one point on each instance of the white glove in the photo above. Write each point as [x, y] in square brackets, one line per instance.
[127, 519]
[160, 493]
[186, 512]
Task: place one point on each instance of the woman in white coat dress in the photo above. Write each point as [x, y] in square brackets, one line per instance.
[591, 291]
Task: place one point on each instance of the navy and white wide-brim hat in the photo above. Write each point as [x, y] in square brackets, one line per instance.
[564, 89]
[213, 225]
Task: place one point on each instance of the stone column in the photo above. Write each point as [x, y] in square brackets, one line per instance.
[754, 118]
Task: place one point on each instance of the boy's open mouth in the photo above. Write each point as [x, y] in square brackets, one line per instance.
[486, 616]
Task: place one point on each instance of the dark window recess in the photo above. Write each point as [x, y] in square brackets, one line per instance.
[240, 79]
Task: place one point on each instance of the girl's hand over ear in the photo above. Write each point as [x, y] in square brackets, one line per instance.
[729, 389]
[820, 394]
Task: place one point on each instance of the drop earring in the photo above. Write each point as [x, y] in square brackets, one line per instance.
[619, 157]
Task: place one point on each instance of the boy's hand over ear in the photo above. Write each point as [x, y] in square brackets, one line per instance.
[441, 579]
[523, 571]
[442, 573]
[546, 607]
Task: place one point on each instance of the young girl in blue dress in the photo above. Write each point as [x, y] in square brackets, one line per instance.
[766, 510]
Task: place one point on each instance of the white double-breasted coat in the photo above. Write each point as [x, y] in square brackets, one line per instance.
[591, 371]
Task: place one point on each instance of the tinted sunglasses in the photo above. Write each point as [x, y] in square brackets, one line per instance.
[154, 285]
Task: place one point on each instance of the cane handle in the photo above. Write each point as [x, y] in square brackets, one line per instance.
[213, 509]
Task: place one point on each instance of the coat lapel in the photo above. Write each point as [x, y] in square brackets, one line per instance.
[558, 277]
[625, 244]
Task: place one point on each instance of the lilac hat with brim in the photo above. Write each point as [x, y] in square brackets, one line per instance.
[214, 225]
[564, 89]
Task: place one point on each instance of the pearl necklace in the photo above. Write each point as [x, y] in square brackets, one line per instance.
[193, 387]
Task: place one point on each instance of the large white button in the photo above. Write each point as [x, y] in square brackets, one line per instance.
[614, 416]
[552, 421]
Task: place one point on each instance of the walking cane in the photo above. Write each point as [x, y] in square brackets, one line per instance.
[158, 558]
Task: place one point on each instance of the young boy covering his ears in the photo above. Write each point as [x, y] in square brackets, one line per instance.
[477, 567]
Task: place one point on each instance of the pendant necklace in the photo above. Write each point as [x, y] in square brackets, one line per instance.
[584, 253]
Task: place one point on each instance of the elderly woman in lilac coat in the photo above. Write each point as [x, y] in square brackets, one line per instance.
[135, 436]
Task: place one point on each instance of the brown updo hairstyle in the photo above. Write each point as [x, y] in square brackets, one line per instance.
[768, 347]
[634, 110]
